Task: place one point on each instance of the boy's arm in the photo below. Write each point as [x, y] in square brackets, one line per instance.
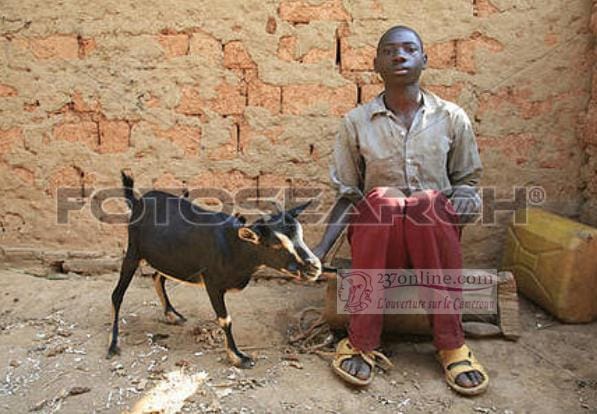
[347, 177]
[464, 168]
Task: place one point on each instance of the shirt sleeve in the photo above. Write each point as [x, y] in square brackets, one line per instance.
[464, 162]
[347, 170]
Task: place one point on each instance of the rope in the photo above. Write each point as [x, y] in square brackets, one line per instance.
[315, 337]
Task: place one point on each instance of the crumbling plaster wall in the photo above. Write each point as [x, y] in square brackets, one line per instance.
[232, 94]
[589, 141]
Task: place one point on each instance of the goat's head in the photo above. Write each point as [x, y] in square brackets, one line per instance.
[283, 247]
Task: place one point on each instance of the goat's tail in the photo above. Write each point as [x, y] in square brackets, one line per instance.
[127, 184]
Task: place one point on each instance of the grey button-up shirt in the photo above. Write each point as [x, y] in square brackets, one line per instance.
[438, 152]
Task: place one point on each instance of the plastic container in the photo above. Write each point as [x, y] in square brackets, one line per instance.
[554, 261]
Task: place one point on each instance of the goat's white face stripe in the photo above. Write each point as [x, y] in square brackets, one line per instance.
[288, 245]
[302, 245]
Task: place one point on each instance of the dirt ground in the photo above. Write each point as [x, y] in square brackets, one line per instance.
[54, 334]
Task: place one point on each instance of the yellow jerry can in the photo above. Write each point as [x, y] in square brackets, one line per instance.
[554, 261]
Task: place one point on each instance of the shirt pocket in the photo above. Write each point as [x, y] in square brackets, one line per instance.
[385, 172]
[434, 160]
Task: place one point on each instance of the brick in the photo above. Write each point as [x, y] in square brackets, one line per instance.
[228, 100]
[7, 91]
[368, 92]
[483, 8]
[191, 102]
[80, 105]
[68, 176]
[229, 150]
[441, 55]
[8, 139]
[264, 95]
[183, 136]
[317, 55]
[515, 147]
[52, 47]
[287, 47]
[318, 99]
[85, 132]
[448, 92]
[174, 45]
[113, 136]
[466, 49]
[206, 46]
[86, 46]
[303, 12]
[356, 59]
[237, 57]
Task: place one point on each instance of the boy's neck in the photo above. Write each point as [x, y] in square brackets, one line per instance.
[404, 98]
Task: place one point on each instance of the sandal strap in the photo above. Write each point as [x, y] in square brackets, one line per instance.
[382, 361]
[373, 358]
[460, 360]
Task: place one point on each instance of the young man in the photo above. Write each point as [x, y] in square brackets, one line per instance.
[413, 153]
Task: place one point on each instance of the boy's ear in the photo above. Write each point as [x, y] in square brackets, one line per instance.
[248, 235]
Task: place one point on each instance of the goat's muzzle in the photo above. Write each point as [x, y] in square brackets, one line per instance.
[309, 271]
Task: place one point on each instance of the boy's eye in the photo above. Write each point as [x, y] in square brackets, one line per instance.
[390, 51]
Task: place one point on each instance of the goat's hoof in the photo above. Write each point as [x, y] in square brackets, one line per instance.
[172, 319]
[246, 362]
[114, 350]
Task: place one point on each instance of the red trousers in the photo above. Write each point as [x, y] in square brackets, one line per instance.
[417, 232]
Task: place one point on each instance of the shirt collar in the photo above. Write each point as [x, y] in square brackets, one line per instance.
[378, 106]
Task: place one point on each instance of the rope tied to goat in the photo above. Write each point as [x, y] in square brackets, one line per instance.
[315, 336]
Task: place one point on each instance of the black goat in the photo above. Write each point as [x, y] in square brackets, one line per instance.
[187, 243]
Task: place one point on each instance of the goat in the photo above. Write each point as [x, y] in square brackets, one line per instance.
[189, 244]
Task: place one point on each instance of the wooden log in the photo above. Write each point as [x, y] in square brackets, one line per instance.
[505, 322]
[508, 311]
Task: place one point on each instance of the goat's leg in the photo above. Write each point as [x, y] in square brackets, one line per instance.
[129, 266]
[236, 357]
[172, 316]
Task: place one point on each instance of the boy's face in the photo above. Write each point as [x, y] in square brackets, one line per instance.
[400, 57]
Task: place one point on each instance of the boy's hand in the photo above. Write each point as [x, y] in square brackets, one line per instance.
[467, 203]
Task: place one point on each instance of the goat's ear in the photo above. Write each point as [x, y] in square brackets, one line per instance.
[295, 211]
[248, 235]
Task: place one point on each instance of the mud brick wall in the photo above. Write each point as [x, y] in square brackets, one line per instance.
[232, 94]
[589, 141]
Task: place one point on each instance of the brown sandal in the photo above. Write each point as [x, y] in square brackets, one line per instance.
[458, 361]
[345, 351]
